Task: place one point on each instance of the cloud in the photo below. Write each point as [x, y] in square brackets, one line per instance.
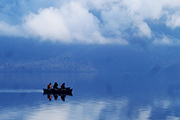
[89, 21]
[10, 30]
[70, 23]
[165, 40]
[145, 8]
[173, 20]
[47, 24]
[143, 30]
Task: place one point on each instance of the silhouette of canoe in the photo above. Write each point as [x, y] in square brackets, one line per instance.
[67, 91]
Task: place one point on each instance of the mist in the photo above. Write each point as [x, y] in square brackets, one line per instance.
[30, 55]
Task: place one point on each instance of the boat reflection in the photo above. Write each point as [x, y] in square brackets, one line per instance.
[55, 96]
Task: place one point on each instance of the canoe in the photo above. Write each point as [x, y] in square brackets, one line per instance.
[58, 91]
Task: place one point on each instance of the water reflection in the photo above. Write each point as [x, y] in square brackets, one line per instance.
[94, 109]
[55, 96]
[102, 97]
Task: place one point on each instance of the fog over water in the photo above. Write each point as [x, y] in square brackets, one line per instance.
[30, 55]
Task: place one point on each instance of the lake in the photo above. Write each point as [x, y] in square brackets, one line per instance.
[96, 96]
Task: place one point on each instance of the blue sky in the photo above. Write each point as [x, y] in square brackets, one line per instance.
[156, 22]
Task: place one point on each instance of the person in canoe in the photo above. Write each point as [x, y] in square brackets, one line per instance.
[63, 86]
[49, 86]
[55, 86]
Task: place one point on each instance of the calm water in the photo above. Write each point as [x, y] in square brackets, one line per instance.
[96, 96]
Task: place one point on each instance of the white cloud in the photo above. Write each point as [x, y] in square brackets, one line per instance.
[115, 19]
[10, 30]
[143, 30]
[47, 24]
[173, 21]
[145, 8]
[70, 23]
[166, 41]
[92, 21]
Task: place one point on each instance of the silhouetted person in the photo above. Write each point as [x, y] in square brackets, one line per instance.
[63, 86]
[49, 86]
[55, 85]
